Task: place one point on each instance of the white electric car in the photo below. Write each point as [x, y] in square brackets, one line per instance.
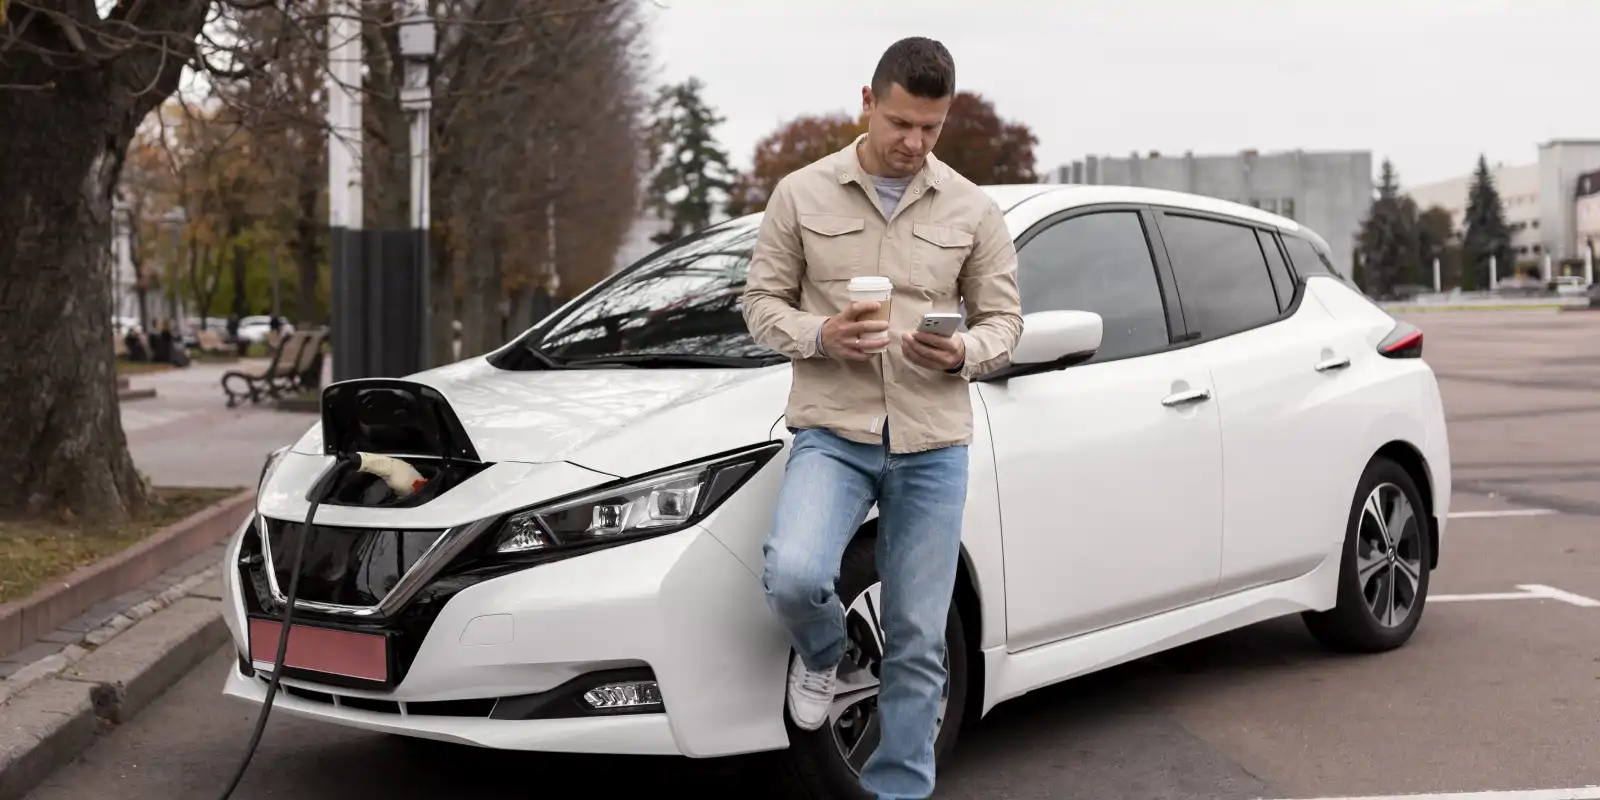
[1206, 426]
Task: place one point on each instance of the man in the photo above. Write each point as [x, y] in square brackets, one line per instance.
[889, 428]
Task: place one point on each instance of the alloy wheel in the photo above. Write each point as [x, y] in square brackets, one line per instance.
[1389, 555]
[853, 717]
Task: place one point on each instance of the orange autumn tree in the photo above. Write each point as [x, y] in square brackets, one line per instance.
[976, 142]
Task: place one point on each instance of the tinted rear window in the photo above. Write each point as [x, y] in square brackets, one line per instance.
[1309, 259]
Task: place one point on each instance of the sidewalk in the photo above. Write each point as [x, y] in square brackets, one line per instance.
[98, 670]
[187, 436]
[101, 669]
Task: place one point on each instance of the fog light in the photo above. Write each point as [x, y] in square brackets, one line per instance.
[633, 694]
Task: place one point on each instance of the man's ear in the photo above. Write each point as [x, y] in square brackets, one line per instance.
[866, 100]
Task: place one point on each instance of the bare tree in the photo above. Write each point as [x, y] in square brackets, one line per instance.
[535, 174]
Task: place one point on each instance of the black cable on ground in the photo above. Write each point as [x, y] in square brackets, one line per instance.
[319, 493]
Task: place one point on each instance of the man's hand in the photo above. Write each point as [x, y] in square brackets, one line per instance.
[841, 334]
[945, 353]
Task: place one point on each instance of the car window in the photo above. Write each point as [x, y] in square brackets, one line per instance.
[1097, 262]
[1221, 275]
[1308, 259]
[1282, 283]
[684, 300]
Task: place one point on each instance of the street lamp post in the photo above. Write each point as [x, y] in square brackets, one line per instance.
[418, 45]
[345, 237]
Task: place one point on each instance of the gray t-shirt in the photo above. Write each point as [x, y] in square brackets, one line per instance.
[890, 190]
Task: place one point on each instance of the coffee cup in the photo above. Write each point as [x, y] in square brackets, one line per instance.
[873, 289]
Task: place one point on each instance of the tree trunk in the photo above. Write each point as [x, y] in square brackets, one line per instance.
[62, 145]
[307, 229]
[65, 451]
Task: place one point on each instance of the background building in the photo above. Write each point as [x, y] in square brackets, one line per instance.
[1328, 192]
[1544, 203]
[1586, 213]
[1561, 164]
[1519, 197]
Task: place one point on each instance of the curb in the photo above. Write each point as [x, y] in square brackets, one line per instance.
[52, 722]
[25, 620]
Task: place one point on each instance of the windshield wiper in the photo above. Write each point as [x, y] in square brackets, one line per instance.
[677, 360]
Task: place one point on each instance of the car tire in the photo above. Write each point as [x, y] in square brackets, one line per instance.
[1364, 621]
[814, 766]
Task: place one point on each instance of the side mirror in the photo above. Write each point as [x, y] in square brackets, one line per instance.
[1053, 340]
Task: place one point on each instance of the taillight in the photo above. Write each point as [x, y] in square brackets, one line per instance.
[1405, 341]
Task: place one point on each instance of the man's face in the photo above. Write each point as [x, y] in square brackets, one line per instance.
[902, 128]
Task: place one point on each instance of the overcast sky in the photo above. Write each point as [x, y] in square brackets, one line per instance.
[1428, 83]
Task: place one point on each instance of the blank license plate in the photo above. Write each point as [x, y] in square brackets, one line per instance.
[363, 656]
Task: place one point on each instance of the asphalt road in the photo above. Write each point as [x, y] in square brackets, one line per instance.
[1489, 695]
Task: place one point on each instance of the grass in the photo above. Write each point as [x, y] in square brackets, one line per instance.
[34, 553]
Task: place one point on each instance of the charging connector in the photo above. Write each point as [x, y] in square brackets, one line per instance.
[319, 492]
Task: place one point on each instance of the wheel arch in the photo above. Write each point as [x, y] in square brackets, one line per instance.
[1410, 459]
[970, 606]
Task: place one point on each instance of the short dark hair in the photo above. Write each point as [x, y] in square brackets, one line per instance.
[920, 65]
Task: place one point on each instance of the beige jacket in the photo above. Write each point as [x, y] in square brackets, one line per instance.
[946, 243]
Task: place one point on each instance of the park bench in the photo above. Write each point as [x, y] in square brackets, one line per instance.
[279, 375]
[211, 343]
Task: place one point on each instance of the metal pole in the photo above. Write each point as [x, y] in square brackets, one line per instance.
[1588, 266]
[172, 267]
[276, 308]
[417, 47]
[350, 309]
[1494, 273]
[1437, 286]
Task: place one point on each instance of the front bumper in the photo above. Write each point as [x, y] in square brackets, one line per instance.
[680, 606]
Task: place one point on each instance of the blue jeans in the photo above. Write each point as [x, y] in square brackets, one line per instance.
[829, 485]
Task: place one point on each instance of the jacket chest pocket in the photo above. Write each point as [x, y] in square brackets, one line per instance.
[937, 254]
[833, 245]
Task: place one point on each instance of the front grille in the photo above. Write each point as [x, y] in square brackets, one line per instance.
[346, 566]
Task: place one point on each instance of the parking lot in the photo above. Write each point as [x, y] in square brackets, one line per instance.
[1498, 691]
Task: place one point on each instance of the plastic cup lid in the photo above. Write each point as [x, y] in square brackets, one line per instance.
[870, 283]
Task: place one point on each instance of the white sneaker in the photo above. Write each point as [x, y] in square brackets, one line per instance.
[810, 694]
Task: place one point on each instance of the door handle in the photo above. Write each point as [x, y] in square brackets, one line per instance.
[1334, 363]
[1185, 398]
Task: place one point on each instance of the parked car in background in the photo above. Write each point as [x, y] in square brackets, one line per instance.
[255, 329]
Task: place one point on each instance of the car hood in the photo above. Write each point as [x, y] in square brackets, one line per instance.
[618, 421]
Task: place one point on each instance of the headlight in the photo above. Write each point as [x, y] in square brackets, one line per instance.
[659, 503]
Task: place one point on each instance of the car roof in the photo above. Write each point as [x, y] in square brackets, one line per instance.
[1026, 203]
[1058, 197]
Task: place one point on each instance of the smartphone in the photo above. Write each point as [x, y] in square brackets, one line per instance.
[940, 324]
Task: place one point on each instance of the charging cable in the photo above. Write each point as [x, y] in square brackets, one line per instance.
[319, 492]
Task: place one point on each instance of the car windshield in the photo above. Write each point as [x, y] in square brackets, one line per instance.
[679, 307]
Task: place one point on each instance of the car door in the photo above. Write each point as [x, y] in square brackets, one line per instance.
[1108, 471]
[1290, 417]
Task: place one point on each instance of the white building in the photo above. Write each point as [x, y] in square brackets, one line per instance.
[1518, 186]
[1541, 203]
[1586, 213]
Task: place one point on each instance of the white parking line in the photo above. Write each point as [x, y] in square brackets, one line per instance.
[1531, 591]
[1506, 512]
[1586, 793]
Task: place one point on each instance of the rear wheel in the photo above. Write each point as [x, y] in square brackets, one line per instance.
[1383, 572]
[827, 762]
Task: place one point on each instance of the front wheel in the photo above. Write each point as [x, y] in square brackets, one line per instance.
[827, 762]
[1384, 568]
